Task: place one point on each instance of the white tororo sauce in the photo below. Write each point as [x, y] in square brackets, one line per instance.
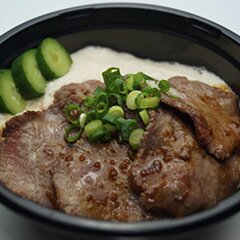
[90, 62]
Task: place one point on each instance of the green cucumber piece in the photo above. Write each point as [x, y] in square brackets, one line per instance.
[27, 76]
[10, 100]
[53, 59]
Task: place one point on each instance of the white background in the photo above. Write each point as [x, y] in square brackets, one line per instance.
[15, 12]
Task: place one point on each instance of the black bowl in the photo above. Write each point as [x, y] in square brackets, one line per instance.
[146, 31]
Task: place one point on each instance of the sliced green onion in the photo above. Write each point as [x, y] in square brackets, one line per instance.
[144, 116]
[72, 112]
[110, 74]
[119, 122]
[107, 135]
[98, 134]
[116, 111]
[89, 101]
[138, 83]
[102, 97]
[164, 85]
[135, 137]
[131, 99]
[123, 89]
[91, 115]
[101, 108]
[151, 92]
[129, 83]
[149, 102]
[139, 80]
[125, 134]
[116, 99]
[144, 76]
[109, 130]
[109, 127]
[117, 86]
[97, 91]
[82, 119]
[110, 118]
[127, 127]
[73, 133]
[102, 117]
[114, 85]
[173, 93]
[137, 101]
[94, 130]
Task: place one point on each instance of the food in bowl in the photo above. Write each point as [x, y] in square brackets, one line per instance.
[186, 159]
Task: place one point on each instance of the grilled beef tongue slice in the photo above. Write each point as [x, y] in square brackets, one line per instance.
[26, 154]
[31, 141]
[214, 112]
[91, 180]
[74, 93]
[173, 175]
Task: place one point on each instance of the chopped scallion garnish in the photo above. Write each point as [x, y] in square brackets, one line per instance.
[119, 122]
[101, 108]
[72, 112]
[82, 119]
[135, 137]
[151, 92]
[73, 133]
[110, 118]
[110, 74]
[127, 126]
[116, 111]
[102, 116]
[131, 99]
[98, 90]
[94, 130]
[129, 83]
[149, 102]
[89, 100]
[91, 115]
[164, 85]
[144, 116]
[116, 99]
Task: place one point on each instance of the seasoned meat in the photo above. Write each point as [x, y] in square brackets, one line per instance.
[90, 179]
[215, 114]
[26, 153]
[74, 93]
[30, 142]
[173, 175]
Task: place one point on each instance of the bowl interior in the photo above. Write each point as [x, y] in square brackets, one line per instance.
[145, 31]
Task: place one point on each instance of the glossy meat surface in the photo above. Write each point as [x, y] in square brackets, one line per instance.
[90, 179]
[173, 175]
[26, 153]
[30, 142]
[215, 114]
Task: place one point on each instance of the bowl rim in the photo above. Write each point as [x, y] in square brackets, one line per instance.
[137, 6]
[58, 219]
